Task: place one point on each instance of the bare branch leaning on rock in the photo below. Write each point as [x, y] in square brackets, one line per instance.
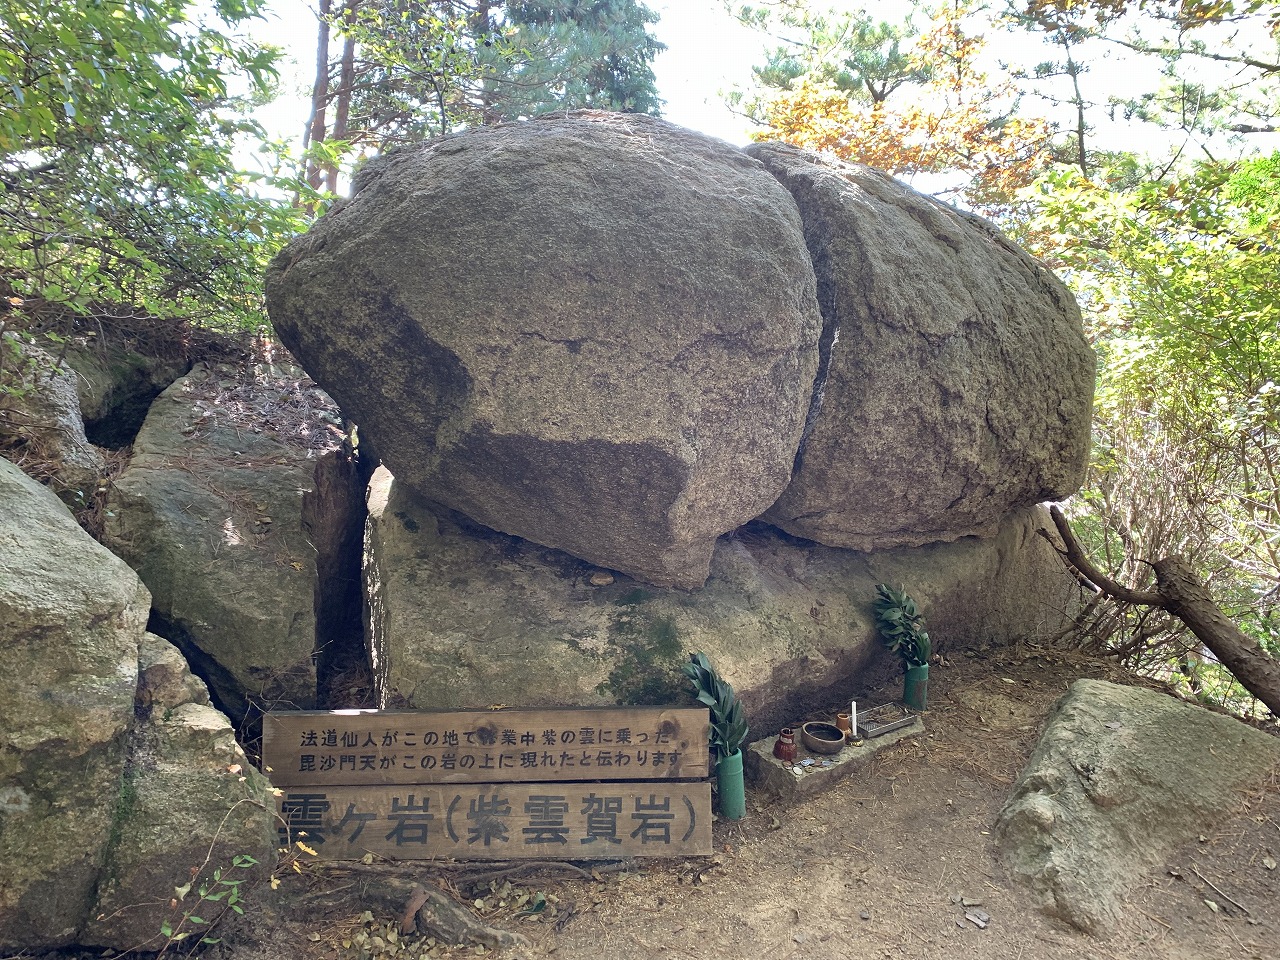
[1180, 592]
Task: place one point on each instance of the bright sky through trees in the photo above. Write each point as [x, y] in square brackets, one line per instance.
[707, 52]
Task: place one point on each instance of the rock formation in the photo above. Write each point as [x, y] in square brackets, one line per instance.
[596, 333]
[116, 777]
[1120, 778]
[117, 385]
[209, 513]
[462, 617]
[595, 351]
[956, 385]
[42, 421]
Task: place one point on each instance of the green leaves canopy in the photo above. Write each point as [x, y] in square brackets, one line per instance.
[118, 186]
[424, 69]
[1178, 278]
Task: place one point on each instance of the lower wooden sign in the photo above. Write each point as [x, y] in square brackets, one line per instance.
[486, 821]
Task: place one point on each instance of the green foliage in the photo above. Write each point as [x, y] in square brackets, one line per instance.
[218, 895]
[118, 185]
[1178, 279]
[901, 626]
[728, 723]
[429, 68]
[599, 54]
[849, 49]
[422, 66]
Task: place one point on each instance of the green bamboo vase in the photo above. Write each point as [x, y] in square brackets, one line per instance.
[732, 789]
[915, 688]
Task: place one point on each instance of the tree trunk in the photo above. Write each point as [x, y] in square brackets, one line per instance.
[1184, 596]
[319, 96]
[1180, 592]
[342, 95]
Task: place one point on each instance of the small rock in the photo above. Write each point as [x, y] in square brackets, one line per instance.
[976, 920]
[865, 915]
[600, 579]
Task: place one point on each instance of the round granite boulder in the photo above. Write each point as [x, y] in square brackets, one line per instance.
[956, 383]
[596, 332]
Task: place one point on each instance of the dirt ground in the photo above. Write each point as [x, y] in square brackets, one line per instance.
[884, 865]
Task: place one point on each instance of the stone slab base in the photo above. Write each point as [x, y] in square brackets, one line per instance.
[792, 783]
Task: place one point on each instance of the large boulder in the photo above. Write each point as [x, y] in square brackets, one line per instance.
[191, 810]
[956, 384]
[40, 422]
[461, 617]
[116, 777]
[598, 332]
[209, 513]
[1120, 778]
[72, 616]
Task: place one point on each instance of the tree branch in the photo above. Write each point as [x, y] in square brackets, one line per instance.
[1181, 593]
[1263, 65]
[1080, 560]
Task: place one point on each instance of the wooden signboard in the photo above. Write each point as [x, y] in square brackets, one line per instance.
[565, 784]
[559, 821]
[352, 747]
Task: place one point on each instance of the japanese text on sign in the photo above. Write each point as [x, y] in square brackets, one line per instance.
[369, 747]
[501, 821]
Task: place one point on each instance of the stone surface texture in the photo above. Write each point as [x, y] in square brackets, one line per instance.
[793, 783]
[190, 802]
[115, 774]
[209, 513]
[956, 384]
[43, 422]
[461, 617]
[1120, 778]
[116, 387]
[71, 617]
[598, 333]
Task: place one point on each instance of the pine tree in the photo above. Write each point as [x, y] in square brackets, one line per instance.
[606, 52]
[412, 69]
